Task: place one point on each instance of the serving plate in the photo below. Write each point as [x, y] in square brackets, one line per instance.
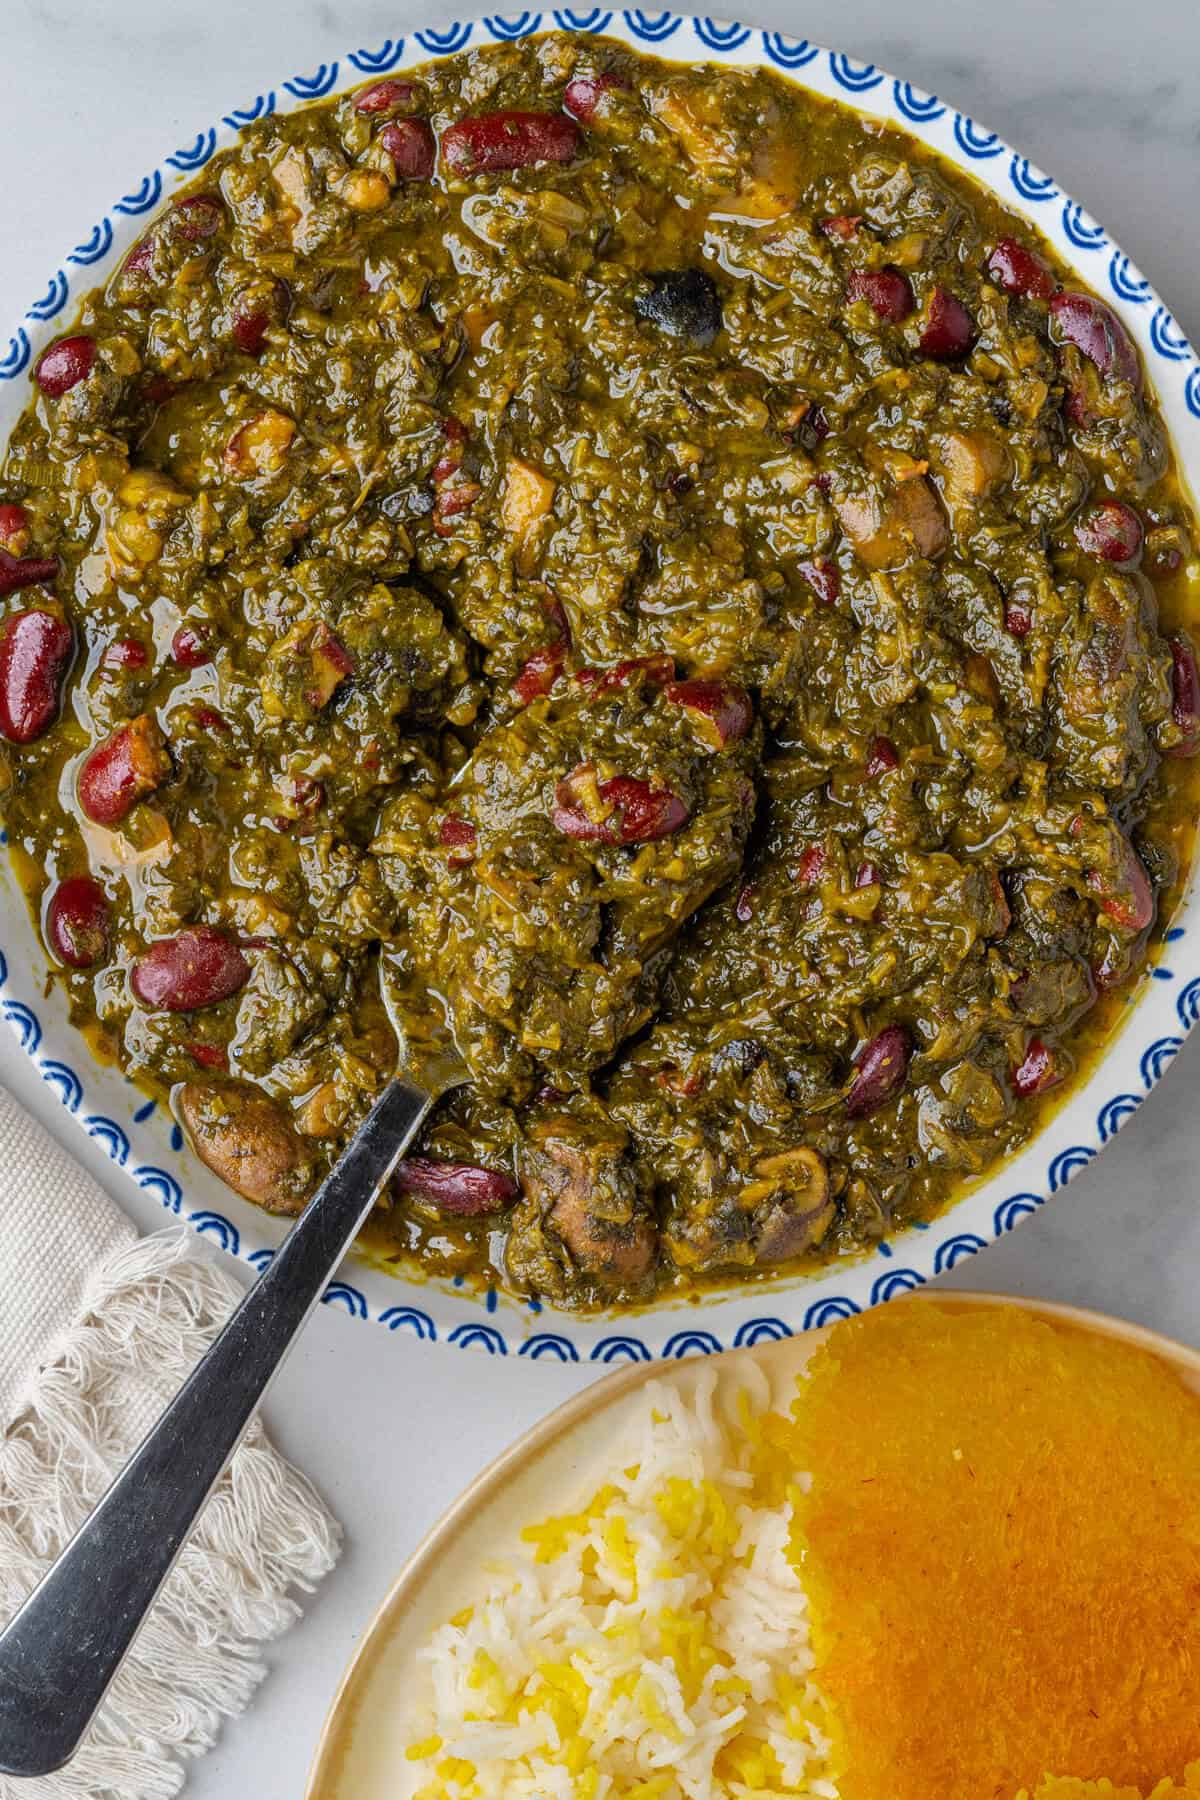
[148, 1147]
[567, 1454]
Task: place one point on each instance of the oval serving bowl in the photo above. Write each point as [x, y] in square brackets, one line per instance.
[363, 1738]
[144, 1142]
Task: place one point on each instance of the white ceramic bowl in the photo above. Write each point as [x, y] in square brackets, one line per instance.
[146, 1145]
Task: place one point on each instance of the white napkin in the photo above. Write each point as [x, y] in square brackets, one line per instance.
[98, 1328]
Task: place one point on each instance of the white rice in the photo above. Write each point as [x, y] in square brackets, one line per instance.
[651, 1645]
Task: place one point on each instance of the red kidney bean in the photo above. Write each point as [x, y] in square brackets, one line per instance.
[811, 866]
[249, 330]
[743, 910]
[1036, 1071]
[1130, 901]
[888, 292]
[458, 835]
[197, 217]
[882, 756]
[130, 762]
[1021, 271]
[14, 528]
[197, 968]
[464, 1190]
[451, 501]
[384, 96]
[410, 144]
[949, 330]
[880, 1069]
[1185, 696]
[724, 712]
[508, 140]
[189, 649]
[823, 577]
[638, 813]
[583, 97]
[65, 364]
[126, 653]
[842, 227]
[1018, 619]
[157, 389]
[35, 649]
[208, 1056]
[866, 875]
[140, 258]
[209, 719]
[676, 1082]
[598, 682]
[18, 572]
[77, 922]
[254, 312]
[456, 435]
[306, 794]
[1112, 531]
[1096, 333]
[816, 425]
[540, 671]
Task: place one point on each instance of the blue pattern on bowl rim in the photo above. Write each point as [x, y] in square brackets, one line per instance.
[140, 1140]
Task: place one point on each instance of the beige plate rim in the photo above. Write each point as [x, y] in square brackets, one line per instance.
[338, 1727]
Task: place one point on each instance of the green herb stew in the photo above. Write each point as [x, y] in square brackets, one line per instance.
[673, 569]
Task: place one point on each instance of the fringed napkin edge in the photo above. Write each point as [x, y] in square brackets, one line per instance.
[150, 1309]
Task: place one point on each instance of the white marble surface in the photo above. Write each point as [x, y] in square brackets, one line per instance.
[1102, 95]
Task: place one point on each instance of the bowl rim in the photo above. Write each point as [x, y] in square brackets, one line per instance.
[350, 1694]
[1165, 1001]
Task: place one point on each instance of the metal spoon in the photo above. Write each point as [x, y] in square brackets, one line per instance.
[60, 1652]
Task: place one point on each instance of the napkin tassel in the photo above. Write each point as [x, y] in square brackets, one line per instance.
[150, 1310]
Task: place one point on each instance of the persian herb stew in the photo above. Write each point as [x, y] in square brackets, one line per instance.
[675, 572]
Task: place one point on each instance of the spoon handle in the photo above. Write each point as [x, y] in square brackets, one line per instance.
[61, 1650]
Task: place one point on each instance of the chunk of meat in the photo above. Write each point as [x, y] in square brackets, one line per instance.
[695, 113]
[884, 531]
[583, 1213]
[528, 496]
[248, 1141]
[972, 464]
